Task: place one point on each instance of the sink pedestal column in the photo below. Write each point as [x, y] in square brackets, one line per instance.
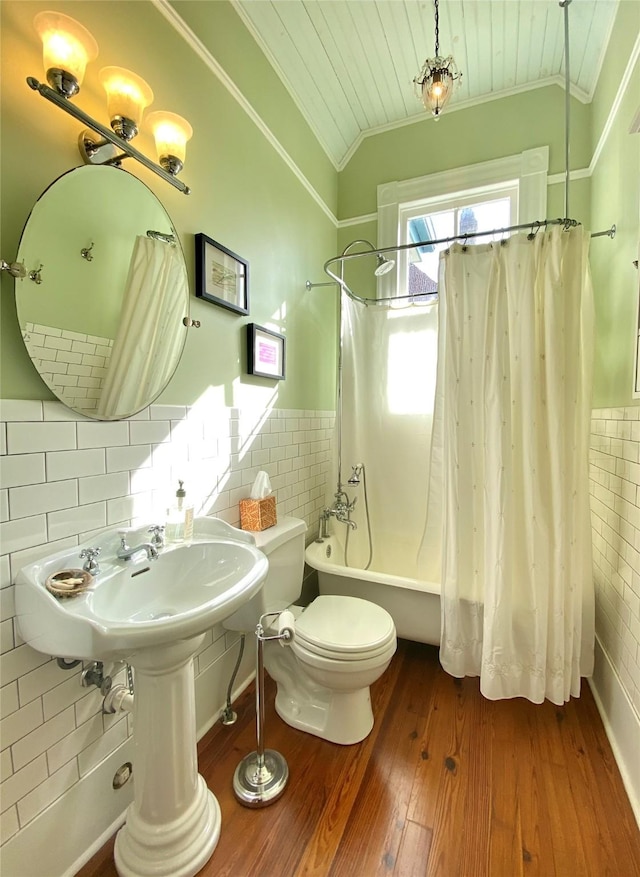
[173, 824]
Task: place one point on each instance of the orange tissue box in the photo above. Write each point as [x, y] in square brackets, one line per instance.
[258, 514]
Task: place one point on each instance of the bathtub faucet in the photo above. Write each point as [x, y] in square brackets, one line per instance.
[340, 510]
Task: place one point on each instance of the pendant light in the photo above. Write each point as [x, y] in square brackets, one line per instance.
[435, 82]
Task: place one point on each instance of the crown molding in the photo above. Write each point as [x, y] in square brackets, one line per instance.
[199, 48]
[615, 106]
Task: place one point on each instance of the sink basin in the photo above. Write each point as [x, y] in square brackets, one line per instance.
[140, 603]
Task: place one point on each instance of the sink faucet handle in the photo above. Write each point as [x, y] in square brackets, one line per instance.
[91, 565]
[157, 540]
[123, 532]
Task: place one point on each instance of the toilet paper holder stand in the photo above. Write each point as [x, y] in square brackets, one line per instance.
[261, 776]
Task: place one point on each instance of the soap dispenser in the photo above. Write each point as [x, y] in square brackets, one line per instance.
[180, 518]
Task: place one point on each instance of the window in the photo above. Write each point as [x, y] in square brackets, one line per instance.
[493, 194]
[438, 218]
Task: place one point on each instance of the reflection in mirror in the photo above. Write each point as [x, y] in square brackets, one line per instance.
[102, 304]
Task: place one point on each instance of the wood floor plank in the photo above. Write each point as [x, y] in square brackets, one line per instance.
[462, 750]
[515, 734]
[413, 854]
[448, 784]
[318, 857]
[376, 824]
[569, 855]
[505, 818]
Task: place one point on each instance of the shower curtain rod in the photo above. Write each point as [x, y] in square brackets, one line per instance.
[397, 248]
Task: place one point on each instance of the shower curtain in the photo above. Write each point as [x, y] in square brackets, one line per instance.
[388, 379]
[508, 493]
[149, 335]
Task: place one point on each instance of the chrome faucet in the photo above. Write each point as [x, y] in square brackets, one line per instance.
[126, 553]
[90, 565]
[342, 508]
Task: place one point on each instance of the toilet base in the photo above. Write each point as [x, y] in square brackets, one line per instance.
[343, 717]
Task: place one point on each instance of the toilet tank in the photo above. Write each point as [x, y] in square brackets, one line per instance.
[284, 546]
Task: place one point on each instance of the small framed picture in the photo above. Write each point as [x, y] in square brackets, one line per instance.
[265, 352]
[222, 277]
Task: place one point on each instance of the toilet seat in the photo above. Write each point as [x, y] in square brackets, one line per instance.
[344, 629]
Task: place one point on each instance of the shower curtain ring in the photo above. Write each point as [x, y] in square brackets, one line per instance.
[533, 234]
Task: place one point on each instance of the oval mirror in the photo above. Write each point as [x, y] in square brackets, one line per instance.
[102, 305]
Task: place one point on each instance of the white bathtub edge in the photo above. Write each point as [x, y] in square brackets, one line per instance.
[621, 723]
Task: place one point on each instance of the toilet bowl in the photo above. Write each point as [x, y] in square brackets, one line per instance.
[340, 645]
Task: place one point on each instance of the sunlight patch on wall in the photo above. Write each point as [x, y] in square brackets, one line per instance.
[411, 371]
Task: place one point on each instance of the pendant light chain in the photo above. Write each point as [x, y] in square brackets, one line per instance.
[437, 30]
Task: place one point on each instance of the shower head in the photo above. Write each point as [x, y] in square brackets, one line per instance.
[355, 475]
[383, 265]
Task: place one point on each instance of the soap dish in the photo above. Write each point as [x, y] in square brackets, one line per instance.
[69, 582]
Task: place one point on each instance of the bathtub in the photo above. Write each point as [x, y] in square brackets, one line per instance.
[413, 604]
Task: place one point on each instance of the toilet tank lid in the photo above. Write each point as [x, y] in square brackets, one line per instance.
[286, 528]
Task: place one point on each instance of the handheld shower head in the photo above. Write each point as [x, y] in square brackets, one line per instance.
[355, 475]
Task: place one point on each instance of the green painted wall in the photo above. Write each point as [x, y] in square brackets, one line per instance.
[249, 199]
[616, 198]
[488, 131]
[243, 195]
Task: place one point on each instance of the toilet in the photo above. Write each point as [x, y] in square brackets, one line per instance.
[340, 646]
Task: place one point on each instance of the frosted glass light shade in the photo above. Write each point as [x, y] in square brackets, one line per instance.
[171, 133]
[127, 97]
[436, 82]
[67, 48]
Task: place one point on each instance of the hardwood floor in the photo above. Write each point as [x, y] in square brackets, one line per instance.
[447, 784]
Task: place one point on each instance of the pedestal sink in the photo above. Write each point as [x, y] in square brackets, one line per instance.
[154, 614]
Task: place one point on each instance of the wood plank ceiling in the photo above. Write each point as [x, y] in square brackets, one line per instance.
[350, 64]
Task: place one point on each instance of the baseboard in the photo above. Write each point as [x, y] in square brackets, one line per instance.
[621, 723]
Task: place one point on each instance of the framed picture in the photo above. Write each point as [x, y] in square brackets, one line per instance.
[222, 277]
[265, 352]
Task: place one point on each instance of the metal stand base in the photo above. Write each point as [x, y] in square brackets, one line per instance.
[260, 781]
[261, 776]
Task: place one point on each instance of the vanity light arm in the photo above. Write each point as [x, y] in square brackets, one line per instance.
[108, 135]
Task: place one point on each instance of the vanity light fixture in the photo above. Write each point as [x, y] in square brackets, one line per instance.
[128, 95]
[67, 48]
[436, 80]
[171, 133]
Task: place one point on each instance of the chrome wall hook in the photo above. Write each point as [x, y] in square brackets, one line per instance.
[36, 274]
[85, 252]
